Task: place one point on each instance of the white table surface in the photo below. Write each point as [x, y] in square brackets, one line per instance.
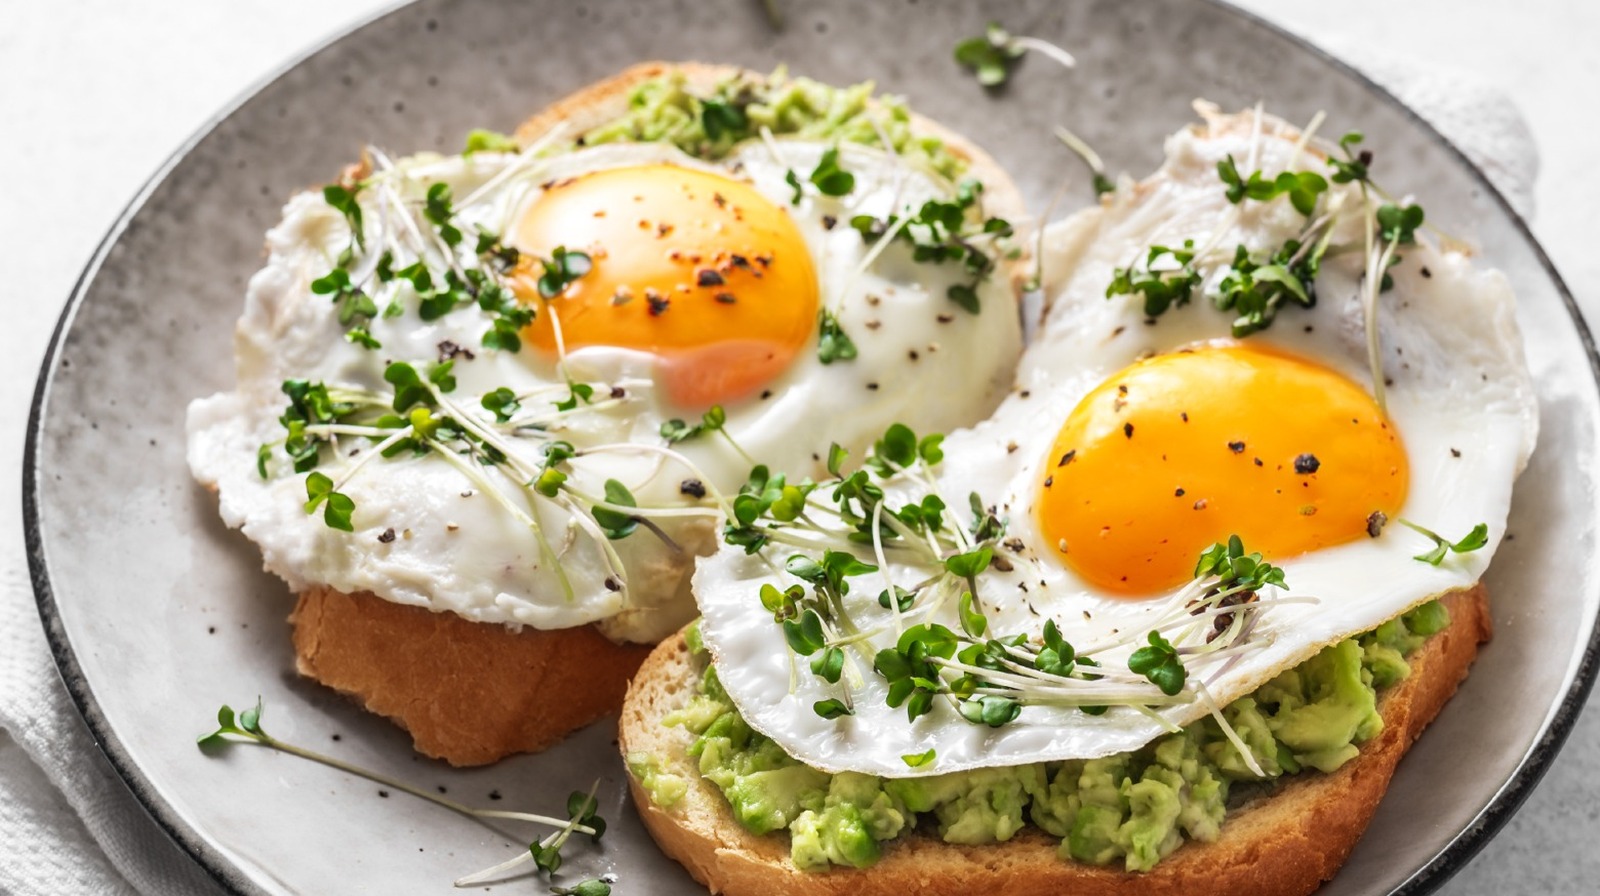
[94, 94]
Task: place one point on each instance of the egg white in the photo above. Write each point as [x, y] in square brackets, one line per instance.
[920, 358]
[1460, 386]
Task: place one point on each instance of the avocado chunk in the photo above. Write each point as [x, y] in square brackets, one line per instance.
[665, 110]
[664, 788]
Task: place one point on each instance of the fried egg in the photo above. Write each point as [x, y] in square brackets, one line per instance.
[1130, 444]
[703, 288]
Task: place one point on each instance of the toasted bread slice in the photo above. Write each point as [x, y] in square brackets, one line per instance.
[469, 693]
[472, 693]
[1285, 843]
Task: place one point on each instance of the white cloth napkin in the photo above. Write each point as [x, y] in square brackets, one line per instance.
[69, 825]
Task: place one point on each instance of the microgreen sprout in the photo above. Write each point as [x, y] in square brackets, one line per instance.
[942, 231]
[1472, 541]
[833, 343]
[676, 430]
[918, 760]
[563, 268]
[1097, 168]
[992, 54]
[245, 728]
[1167, 278]
[546, 853]
[828, 178]
[438, 211]
[1302, 187]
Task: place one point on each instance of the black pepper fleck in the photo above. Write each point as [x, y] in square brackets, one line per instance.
[828, 222]
[1455, 452]
[1306, 464]
[694, 488]
[1067, 458]
[1375, 523]
[707, 277]
[1178, 493]
[1236, 447]
[386, 536]
[726, 298]
[1127, 430]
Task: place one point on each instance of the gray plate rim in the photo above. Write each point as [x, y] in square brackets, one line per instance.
[1452, 858]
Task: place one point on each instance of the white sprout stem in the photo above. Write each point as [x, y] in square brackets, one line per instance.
[1227, 730]
[479, 877]
[426, 237]
[546, 551]
[1255, 136]
[615, 568]
[1377, 263]
[772, 146]
[1306, 136]
[732, 443]
[376, 451]
[1082, 149]
[871, 257]
[1046, 48]
[716, 494]
[1038, 245]
[267, 740]
[347, 429]
[883, 566]
[523, 163]
[901, 175]
[1166, 723]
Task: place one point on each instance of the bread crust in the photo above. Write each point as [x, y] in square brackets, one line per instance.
[469, 693]
[473, 693]
[1287, 843]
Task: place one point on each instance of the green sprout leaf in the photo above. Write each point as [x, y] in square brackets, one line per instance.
[918, 760]
[1472, 541]
[338, 506]
[829, 178]
[501, 402]
[1159, 663]
[833, 344]
[437, 210]
[615, 524]
[831, 708]
[990, 56]
[563, 269]
[973, 621]
[676, 430]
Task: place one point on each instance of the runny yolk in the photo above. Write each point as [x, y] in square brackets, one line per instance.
[699, 269]
[1182, 450]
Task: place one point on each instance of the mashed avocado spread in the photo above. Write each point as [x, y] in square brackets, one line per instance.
[1135, 807]
[739, 108]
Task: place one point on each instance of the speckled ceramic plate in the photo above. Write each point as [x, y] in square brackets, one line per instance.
[158, 614]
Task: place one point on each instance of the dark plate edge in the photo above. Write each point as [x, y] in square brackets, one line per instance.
[213, 861]
[1456, 854]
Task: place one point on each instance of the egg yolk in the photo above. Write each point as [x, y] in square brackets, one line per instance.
[1182, 450]
[697, 268]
